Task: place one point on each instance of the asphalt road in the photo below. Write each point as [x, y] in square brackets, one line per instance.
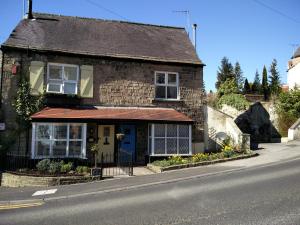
[266, 195]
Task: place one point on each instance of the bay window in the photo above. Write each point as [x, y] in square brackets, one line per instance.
[166, 85]
[58, 140]
[169, 139]
[62, 78]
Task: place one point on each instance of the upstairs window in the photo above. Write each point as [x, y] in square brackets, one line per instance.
[62, 78]
[166, 85]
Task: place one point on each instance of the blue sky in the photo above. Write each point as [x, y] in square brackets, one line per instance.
[252, 32]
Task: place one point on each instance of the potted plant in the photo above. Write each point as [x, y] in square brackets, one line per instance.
[95, 148]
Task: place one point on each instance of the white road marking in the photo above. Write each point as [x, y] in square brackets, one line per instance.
[44, 192]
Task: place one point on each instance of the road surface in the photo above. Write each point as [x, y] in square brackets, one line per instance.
[263, 195]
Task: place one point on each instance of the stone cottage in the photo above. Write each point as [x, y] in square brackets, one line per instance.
[101, 78]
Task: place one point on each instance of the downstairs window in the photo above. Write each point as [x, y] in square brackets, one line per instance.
[170, 139]
[58, 140]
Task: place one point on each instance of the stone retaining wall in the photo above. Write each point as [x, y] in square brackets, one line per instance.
[14, 180]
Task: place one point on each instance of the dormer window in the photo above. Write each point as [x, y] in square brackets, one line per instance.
[166, 86]
[62, 78]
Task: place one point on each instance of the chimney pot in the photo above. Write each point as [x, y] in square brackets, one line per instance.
[195, 34]
[29, 10]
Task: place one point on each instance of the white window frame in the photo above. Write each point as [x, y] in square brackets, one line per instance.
[166, 73]
[62, 80]
[51, 140]
[151, 137]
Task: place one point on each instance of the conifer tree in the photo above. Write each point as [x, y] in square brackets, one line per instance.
[256, 87]
[238, 73]
[246, 88]
[265, 85]
[225, 71]
[274, 79]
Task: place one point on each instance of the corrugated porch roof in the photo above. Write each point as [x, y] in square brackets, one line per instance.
[112, 113]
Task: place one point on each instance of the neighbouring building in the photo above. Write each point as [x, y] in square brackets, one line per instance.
[293, 76]
[101, 78]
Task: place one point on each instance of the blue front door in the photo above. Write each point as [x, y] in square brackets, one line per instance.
[127, 145]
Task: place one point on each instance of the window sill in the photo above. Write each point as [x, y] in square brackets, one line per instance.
[166, 100]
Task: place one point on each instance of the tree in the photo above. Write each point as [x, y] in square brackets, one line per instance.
[225, 71]
[25, 105]
[288, 110]
[238, 73]
[228, 87]
[256, 86]
[246, 89]
[265, 86]
[275, 86]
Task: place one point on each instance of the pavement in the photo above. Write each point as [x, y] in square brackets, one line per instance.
[254, 195]
[269, 153]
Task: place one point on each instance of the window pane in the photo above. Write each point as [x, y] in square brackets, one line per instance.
[172, 146]
[171, 130]
[160, 92]
[183, 146]
[42, 148]
[70, 88]
[184, 130]
[172, 92]
[149, 145]
[75, 131]
[59, 148]
[159, 146]
[60, 131]
[54, 87]
[160, 78]
[75, 148]
[159, 130]
[149, 130]
[43, 132]
[55, 72]
[172, 78]
[70, 73]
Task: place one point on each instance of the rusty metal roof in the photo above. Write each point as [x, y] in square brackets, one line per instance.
[112, 113]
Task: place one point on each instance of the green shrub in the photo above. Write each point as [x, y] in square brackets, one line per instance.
[237, 101]
[199, 157]
[213, 156]
[65, 168]
[43, 165]
[228, 153]
[161, 163]
[176, 159]
[82, 169]
[288, 110]
[55, 167]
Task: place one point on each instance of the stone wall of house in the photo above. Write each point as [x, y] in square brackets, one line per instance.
[116, 83]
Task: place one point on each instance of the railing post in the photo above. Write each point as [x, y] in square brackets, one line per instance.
[101, 166]
[131, 172]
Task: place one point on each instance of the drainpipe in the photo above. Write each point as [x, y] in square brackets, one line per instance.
[1, 81]
[195, 35]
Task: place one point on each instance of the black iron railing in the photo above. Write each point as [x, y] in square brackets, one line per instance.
[111, 164]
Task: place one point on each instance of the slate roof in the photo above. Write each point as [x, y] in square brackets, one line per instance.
[112, 113]
[297, 53]
[99, 37]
